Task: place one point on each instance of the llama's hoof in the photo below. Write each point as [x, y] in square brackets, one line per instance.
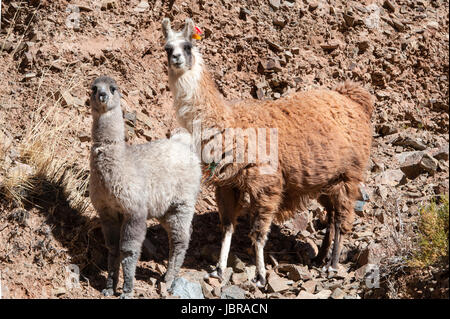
[329, 269]
[217, 274]
[259, 284]
[332, 269]
[126, 295]
[259, 281]
[169, 284]
[107, 292]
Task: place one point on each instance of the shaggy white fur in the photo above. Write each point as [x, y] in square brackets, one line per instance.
[185, 87]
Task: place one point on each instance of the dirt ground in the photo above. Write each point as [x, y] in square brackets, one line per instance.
[50, 51]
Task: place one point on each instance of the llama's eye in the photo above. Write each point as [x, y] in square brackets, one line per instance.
[168, 49]
[94, 89]
[188, 47]
[113, 89]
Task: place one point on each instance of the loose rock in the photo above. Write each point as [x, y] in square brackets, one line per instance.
[389, 5]
[275, 4]
[84, 137]
[338, 294]
[239, 278]
[370, 255]
[441, 153]
[409, 141]
[238, 265]
[186, 289]
[298, 223]
[323, 294]
[391, 177]
[419, 163]
[108, 4]
[309, 286]
[276, 284]
[232, 292]
[295, 272]
[142, 6]
[70, 101]
[305, 295]
[207, 290]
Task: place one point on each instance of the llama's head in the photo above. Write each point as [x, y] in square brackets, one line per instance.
[105, 95]
[179, 46]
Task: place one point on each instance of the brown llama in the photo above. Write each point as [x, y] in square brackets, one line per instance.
[324, 140]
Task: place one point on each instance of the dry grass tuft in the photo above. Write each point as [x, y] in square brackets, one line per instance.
[40, 163]
[40, 157]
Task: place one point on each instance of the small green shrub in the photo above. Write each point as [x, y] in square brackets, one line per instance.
[433, 234]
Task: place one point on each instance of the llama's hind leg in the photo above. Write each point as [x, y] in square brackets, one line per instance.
[111, 225]
[133, 233]
[178, 224]
[337, 247]
[325, 247]
[259, 232]
[343, 202]
[325, 201]
[266, 197]
[342, 225]
[227, 201]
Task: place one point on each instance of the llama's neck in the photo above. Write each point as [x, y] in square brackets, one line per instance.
[196, 97]
[108, 130]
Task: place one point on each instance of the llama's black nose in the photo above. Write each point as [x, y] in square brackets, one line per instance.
[102, 96]
[176, 56]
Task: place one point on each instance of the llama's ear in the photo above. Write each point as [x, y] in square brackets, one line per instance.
[167, 29]
[188, 29]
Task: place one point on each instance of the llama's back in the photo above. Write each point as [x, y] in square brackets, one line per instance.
[316, 123]
[167, 159]
[321, 135]
[168, 167]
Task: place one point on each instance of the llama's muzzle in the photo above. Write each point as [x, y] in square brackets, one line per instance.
[177, 60]
[102, 96]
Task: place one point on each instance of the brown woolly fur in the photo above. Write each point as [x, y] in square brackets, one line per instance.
[324, 140]
[357, 94]
[324, 143]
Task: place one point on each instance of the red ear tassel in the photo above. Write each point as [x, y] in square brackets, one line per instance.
[197, 34]
[198, 31]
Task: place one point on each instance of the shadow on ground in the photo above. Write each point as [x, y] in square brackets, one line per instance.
[204, 247]
[82, 237]
[79, 234]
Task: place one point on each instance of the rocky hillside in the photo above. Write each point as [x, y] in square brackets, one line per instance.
[50, 51]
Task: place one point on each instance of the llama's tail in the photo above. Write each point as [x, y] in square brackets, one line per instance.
[357, 94]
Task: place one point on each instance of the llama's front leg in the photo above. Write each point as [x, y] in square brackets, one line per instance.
[111, 231]
[227, 201]
[178, 224]
[258, 235]
[133, 234]
[224, 252]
